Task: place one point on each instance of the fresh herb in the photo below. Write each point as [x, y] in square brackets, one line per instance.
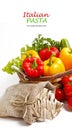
[17, 62]
[39, 43]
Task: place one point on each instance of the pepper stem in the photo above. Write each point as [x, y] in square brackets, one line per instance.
[34, 64]
[48, 48]
[50, 60]
[27, 55]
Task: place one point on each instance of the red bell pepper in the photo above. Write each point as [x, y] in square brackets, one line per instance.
[47, 52]
[33, 67]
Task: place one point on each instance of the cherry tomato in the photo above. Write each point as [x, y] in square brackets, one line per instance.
[59, 94]
[70, 103]
[68, 89]
[67, 83]
[66, 79]
[46, 53]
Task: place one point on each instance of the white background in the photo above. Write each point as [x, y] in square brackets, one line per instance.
[14, 34]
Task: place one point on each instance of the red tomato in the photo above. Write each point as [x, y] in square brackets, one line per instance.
[67, 83]
[70, 103]
[59, 94]
[46, 53]
[66, 79]
[68, 89]
[67, 97]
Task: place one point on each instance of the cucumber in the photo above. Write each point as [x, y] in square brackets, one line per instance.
[64, 43]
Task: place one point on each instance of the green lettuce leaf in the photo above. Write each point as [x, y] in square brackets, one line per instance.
[17, 62]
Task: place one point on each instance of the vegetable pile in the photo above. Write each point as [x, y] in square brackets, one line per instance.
[46, 57]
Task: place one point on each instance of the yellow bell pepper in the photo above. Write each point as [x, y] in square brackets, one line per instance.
[30, 53]
[66, 57]
[53, 66]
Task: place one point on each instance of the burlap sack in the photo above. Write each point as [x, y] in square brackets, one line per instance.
[30, 101]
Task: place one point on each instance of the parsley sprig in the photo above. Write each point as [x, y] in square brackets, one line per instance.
[39, 43]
